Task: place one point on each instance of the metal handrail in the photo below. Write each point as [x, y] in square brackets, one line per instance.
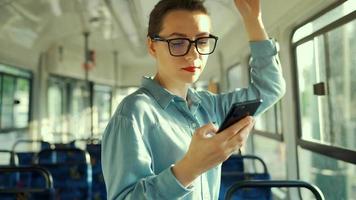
[44, 172]
[273, 183]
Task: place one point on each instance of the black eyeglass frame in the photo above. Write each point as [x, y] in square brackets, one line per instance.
[160, 39]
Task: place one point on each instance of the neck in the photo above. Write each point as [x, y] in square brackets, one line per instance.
[175, 87]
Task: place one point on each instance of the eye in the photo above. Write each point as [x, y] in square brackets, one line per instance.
[203, 41]
[177, 43]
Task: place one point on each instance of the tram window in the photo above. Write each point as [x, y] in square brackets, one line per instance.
[102, 108]
[327, 114]
[335, 178]
[15, 98]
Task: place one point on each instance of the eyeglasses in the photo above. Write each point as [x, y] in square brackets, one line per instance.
[181, 46]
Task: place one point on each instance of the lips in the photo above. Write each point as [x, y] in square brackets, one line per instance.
[191, 68]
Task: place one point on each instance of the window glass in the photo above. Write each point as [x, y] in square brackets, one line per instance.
[335, 178]
[14, 98]
[55, 102]
[7, 112]
[342, 85]
[102, 108]
[80, 111]
[22, 103]
[328, 61]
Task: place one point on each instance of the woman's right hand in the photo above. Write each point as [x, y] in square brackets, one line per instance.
[208, 149]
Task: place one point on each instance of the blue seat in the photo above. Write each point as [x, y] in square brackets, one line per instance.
[13, 186]
[233, 171]
[65, 145]
[98, 189]
[71, 172]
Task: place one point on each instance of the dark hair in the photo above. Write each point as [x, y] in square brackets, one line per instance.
[163, 7]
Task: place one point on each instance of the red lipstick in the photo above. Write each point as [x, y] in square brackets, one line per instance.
[190, 68]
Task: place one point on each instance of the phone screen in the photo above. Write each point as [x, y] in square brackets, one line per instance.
[238, 111]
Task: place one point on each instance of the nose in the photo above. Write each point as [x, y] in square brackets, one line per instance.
[192, 53]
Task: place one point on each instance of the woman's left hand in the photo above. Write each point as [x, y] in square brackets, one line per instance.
[249, 9]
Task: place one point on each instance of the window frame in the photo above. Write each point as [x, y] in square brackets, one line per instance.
[29, 78]
[335, 152]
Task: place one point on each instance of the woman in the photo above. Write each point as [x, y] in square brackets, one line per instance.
[161, 142]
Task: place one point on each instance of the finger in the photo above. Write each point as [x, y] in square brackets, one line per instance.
[207, 130]
[239, 139]
[235, 128]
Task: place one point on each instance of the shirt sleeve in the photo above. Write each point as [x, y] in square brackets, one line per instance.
[266, 81]
[126, 164]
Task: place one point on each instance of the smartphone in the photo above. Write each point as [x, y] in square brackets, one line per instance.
[238, 111]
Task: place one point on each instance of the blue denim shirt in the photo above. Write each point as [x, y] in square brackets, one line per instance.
[152, 128]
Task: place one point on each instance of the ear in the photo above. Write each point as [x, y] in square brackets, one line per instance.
[151, 47]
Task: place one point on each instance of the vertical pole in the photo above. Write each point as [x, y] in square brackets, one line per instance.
[116, 68]
[90, 85]
[86, 54]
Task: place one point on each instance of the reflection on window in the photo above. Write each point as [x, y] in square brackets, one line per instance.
[335, 178]
[328, 61]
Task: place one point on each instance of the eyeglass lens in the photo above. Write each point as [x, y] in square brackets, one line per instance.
[181, 46]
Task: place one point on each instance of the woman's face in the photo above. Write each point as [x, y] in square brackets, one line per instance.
[181, 24]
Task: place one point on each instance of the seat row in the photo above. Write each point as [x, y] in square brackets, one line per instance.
[76, 173]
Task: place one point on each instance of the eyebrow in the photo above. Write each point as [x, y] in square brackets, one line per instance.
[184, 35]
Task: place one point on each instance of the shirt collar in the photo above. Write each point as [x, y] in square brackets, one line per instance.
[163, 96]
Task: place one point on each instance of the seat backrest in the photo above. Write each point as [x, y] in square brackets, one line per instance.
[98, 189]
[71, 171]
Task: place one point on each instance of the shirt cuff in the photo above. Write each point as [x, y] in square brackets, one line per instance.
[173, 187]
[263, 48]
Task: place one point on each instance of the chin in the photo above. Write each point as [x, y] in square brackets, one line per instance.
[191, 79]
